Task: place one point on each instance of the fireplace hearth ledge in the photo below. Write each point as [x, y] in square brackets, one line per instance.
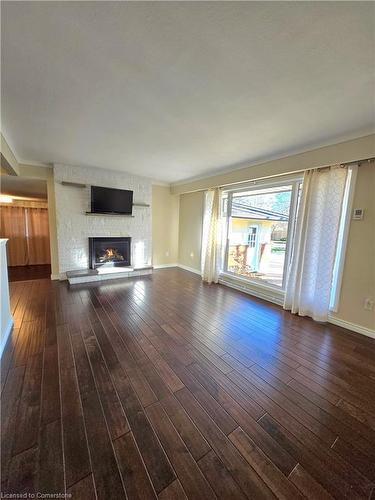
[106, 273]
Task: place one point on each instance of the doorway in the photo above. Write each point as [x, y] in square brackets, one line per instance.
[24, 222]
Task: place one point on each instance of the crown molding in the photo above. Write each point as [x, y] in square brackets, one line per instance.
[341, 152]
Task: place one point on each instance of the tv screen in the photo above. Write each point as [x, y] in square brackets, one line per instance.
[108, 200]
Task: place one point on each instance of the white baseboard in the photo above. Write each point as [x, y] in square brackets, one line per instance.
[260, 294]
[6, 334]
[351, 326]
[164, 266]
[267, 295]
[191, 269]
[55, 277]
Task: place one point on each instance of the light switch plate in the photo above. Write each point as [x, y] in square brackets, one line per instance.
[358, 213]
[369, 304]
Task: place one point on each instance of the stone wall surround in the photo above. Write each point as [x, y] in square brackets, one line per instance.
[74, 227]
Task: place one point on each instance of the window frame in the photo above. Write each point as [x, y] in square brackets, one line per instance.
[295, 181]
[342, 237]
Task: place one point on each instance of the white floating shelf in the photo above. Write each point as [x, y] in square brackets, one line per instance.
[73, 184]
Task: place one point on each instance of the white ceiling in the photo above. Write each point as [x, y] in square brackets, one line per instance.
[173, 90]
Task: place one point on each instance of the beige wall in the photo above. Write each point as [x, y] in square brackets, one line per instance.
[359, 269]
[357, 149]
[55, 272]
[165, 219]
[190, 230]
[26, 203]
[9, 163]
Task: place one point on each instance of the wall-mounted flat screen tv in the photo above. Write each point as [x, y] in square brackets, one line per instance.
[111, 201]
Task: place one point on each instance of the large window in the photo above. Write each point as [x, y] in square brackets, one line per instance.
[259, 230]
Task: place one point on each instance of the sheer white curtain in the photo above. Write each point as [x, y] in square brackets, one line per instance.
[309, 278]
[211, 240]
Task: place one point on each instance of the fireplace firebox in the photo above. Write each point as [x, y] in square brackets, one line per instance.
[109, 252]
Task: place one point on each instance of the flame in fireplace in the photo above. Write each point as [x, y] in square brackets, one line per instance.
[111, 254]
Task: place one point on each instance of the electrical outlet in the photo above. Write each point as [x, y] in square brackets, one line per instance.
[167, 253]
[369, 304]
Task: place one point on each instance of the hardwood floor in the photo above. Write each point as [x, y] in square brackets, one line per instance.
[22, 273]
[163, 387]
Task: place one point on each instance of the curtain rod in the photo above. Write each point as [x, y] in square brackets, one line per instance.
[345, 164]
[358, 162]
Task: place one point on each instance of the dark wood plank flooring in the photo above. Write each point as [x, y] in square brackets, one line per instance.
[163, 387]
[23, 273]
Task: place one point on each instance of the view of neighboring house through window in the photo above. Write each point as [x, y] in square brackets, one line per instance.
[260, 223]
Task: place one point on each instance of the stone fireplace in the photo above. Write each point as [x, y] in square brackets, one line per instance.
[109, 252]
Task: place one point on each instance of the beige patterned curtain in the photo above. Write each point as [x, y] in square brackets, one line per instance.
[309, 279]
[211, 239]
[28, 234]
[38, 236]
[13, 227]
